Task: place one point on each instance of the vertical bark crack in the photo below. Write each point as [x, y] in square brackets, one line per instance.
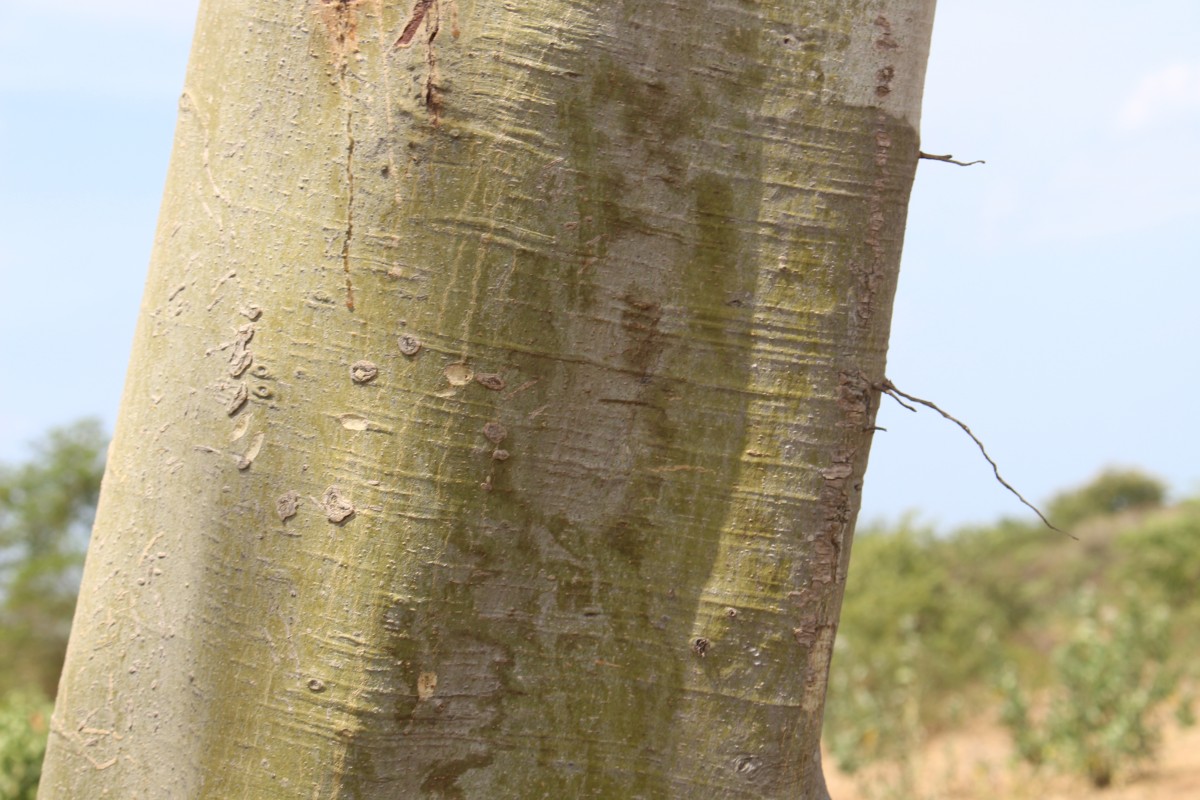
[349, 209]
[414, 21]
[425, 11]
[433, 100]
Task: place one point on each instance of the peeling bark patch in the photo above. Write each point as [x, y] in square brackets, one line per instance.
[835, 511]
[426, 11]
[836, 500]
[251, 452]
[363, 371]
[885, 40]
[239, 363]
[495, 433]
[819, 642]
[287, 504]
[854, 400]
[414, 21]
[241, 358]
[884, 76]
[811, 630]
[240, 395]
[341, 23]
[409, 345]
[458, 374]
[426, 685]
[337, 506]
[239, 430]
[354, 422]
[871, 274]
[491, 381]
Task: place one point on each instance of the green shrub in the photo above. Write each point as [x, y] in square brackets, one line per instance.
[24, 728]
[1110, 679]
[873, 709]
[1162, 555]
[910, 635]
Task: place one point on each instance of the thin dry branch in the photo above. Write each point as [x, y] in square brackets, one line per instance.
[949, 159]
[889, 388]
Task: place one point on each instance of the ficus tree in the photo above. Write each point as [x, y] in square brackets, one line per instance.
[498, 411]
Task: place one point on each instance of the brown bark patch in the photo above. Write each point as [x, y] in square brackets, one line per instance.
[340, 18]
[414, 22]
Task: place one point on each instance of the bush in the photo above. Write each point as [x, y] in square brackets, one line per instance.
[874, 702]
[24, 728]
[1162, 555]
[1110, 679]
[909, 631]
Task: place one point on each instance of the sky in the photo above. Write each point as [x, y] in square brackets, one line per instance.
[1047, 298]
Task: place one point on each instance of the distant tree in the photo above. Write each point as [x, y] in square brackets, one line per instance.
[1110, 492]
[46, 510]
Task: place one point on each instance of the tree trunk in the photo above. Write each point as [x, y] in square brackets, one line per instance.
[500, 402]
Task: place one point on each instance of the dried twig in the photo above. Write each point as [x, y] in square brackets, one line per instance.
[949, 159]
[889, 388]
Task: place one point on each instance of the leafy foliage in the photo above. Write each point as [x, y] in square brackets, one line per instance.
[1163, 555]
[46, 511]
[1110, 679]
[24, 728]
[929, 621]
[909, 629]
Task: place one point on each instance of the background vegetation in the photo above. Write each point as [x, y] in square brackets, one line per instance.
[46, 510]
[1078, 647]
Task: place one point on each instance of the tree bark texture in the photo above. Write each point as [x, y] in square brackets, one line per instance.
[500, 402]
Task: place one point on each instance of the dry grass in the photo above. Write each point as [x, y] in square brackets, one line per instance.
[977, 763]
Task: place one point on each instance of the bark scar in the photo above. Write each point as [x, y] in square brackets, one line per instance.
[341, 21]
[414, 21]
[425, 11]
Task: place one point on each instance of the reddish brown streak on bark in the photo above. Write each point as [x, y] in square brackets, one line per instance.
[414, 22]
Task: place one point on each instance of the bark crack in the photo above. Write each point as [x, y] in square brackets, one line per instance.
[426, 11]
[414, 21]
[349, 209]
[433, 101]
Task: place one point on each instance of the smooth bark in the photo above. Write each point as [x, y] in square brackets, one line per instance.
[499, 407]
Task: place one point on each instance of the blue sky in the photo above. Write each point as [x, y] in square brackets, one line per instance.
[1047, 298]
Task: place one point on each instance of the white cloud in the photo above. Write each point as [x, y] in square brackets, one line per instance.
[1160, 95]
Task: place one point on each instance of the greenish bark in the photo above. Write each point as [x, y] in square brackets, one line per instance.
[500, 402]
